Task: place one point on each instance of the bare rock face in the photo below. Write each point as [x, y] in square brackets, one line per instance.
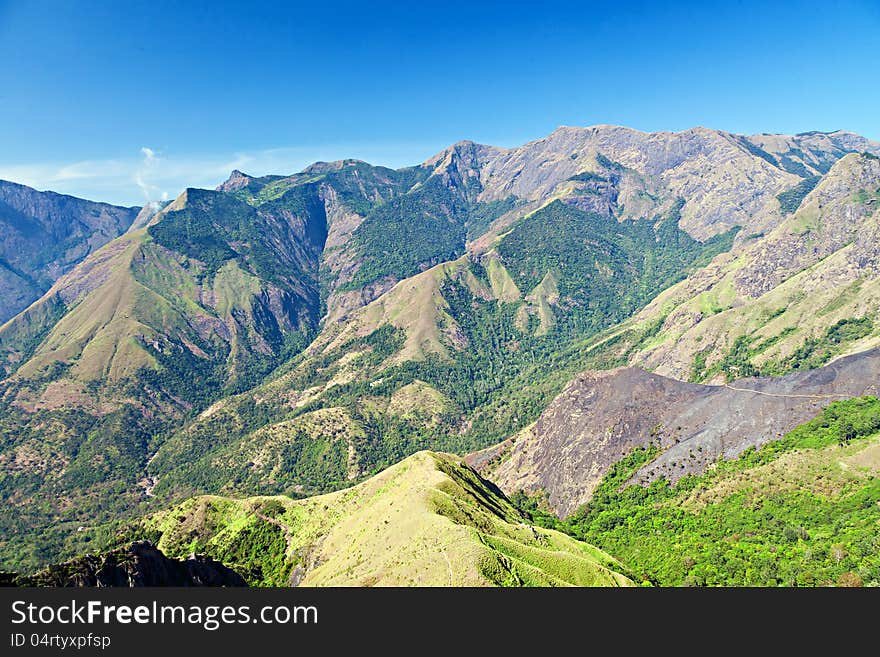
[237, 180]
[138, 564]
[828, 219]
[716, 176]
[602, 416]
[819, 251]
[811, 153]
[43, 235]
[725, 180]
[339, 262]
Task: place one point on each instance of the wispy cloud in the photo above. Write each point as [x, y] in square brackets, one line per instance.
[154, 174]
[148, 170]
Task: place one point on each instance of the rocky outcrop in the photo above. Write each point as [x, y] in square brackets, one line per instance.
[237, 180]
[602, 416]
[829, 218]
[138, 564]
[810, 153]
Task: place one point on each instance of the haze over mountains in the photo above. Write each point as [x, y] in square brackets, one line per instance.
[43, 235]
[297, 334]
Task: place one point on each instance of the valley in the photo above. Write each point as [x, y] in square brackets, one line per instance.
[257, 368]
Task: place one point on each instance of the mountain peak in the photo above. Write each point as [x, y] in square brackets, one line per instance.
[475, 151]
[237, 180]
[335, 165]
[146, 214]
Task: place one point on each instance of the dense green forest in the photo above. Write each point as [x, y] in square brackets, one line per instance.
[604, 270]
[411, 232]
[498, 384]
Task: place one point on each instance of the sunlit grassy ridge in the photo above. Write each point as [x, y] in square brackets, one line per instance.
[426, 521]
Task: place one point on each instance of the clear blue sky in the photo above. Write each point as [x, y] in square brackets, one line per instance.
[126, 101]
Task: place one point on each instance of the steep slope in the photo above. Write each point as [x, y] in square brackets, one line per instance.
[43, 235]
[383, 225]
[479, 331]
[810, 153]
[602, 416]
[461, 331]
[345, 193]
[210, 281]
[297, 333]
[795, 298]
[155, 325]
[801, 511]
[725, 180]
[202, 298]
[427, 521]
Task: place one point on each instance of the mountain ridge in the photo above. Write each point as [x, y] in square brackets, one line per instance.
[426, 521]
[602, 416]
[296, 334]
[43, 235]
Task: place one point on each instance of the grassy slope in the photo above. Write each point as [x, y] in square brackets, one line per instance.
[427, 521]
[512, 392]
[416, 306]
[486, 357]
[176, 286]
[830, 276]
[144, 335]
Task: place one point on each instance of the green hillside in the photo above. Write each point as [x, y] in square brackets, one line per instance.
[801, 511]
[426, 521]
[461, 333]
[297, 335]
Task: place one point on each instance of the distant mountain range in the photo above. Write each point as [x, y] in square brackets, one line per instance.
[299, 334]
[43, 235]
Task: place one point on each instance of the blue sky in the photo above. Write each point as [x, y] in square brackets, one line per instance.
[127, 102]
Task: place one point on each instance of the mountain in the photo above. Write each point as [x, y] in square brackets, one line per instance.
[802, 294]
[207, 297]
[43, 235]
[726, 180]
[601, 417]
[426, 521]
[474, 334]
[211, 282]
[800, 511]
[297, 334]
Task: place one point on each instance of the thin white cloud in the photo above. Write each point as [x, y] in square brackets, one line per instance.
[156, 174]
[148, 170]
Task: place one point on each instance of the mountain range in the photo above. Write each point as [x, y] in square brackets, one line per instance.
[43, 235]
[543, 311]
